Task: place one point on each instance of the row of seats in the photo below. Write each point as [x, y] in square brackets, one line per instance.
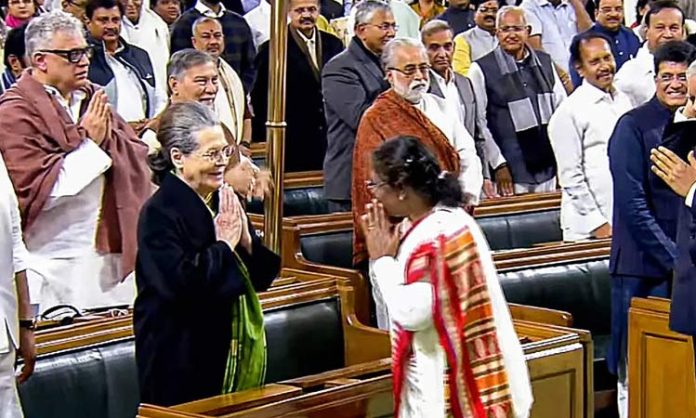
[309, 330]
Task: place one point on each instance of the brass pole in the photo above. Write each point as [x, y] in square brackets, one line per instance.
[275, 126]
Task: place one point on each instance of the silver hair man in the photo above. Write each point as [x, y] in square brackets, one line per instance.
[393, 46]
[366, 9]
[185, 59]
[510, 9]
[41, 30]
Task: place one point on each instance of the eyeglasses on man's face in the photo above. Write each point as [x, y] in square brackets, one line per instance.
[223, 154]
[374, 185]
[384, 27]
[411, 69]
[73, 56]
[668, 77]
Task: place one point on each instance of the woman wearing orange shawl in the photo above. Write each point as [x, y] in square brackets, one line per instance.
[436, 276]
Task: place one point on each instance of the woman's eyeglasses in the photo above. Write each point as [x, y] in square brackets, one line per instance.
[73, 56]
[373, 185]
[223, 154]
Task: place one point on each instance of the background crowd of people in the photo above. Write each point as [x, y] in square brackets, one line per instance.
[508, 97]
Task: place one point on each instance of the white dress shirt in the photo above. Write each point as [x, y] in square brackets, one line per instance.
[557, 26]
[259, 20]
[151, 33]
[311, 45]
[636, 78]
[440, 114]
[131, 99]
[579, 131]
[64, 266]
[13, 259]
[208, 12]
[451, 92]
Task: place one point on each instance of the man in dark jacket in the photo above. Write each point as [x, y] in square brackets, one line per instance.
[239, 42]
[124, 70]
[350, 83]
[308, 50]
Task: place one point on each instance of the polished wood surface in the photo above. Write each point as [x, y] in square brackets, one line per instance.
[660, 363]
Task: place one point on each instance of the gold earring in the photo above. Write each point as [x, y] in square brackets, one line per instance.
[402, 196]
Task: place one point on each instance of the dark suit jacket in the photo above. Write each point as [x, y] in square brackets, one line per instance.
[187, 282]
[683, 312]
[468, 100]
[350, 83]
[304, 104]
[645, 208]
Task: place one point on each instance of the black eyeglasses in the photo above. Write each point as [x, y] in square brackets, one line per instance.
[73, 56]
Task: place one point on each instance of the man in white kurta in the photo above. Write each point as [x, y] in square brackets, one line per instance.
[579, 131]
[14, 300]
[82, 178]
[411, 307]
[144, 28]
[636, 78]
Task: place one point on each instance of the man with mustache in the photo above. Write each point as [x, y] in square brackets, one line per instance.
[309, 49]
[142, 27]
[239, 49]
[645, 209]
[458, 92]
[479, 40]
[231, 101]
[406, 109]
[80, 180]
[579, 131]
[664, 22]
[518, 89]
[350, 82]
[124, 70]
[609, 22]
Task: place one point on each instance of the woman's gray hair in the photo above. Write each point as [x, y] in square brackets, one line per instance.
[42, 29]
[510, 9]
[178, 128]
[395, 44]
[691, 71]
[366, 9]
[182, 60]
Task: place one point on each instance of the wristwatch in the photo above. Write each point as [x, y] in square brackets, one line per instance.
[29, 324]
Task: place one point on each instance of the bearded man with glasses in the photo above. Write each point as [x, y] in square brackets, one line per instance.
[406, 109]
[78, 169]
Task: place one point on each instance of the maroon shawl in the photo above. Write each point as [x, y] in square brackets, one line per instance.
[38, 133]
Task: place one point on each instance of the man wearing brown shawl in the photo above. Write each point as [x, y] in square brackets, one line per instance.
[78, 169]
[407, 110]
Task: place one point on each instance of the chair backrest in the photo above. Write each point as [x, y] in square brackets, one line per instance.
[521, 230]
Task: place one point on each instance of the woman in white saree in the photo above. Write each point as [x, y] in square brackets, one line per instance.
[436, 276]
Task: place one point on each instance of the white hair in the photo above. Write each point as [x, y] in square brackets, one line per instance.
[691, 71]
[43, 28]
[509, 9]
[366, 9]
[395, 44]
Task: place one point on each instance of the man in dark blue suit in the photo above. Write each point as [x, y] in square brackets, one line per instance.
[669, 165]
[645, 209]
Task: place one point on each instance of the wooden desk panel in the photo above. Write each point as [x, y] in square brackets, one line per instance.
[660, 364]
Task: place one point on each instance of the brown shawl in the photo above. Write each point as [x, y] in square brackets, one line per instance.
[391, 116]
[38, 133]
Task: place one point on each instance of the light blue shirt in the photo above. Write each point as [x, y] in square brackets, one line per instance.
[556, 25]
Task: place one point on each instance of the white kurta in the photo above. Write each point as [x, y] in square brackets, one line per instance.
[636, 78]
[579, 131]
[13, 258]
[410, 306]
[64, 266]
[445, 118]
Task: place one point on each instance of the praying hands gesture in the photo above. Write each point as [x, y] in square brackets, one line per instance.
[230, 223]
[381, 238]
[678, 175]
[97, 119]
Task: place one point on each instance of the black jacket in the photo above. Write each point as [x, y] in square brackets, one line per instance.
[187, 282]
[304, 104]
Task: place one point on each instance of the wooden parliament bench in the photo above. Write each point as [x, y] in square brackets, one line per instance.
[555, 359]
[660, 363]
